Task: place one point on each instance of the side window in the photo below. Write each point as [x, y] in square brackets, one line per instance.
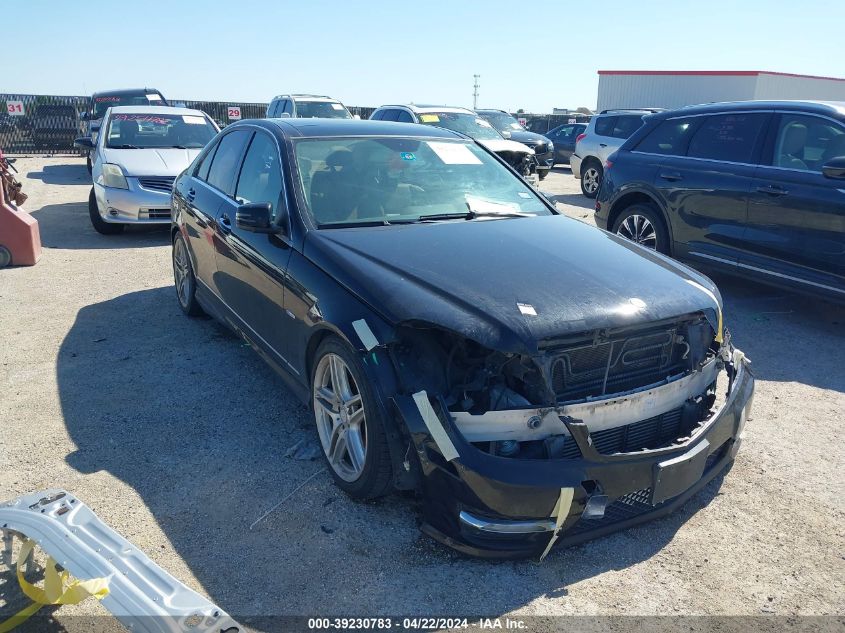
[807, 142]
[730, 137]
[274, 109]
[605, 125]
[670, 137]
[404, 117]
[204, 164]
[390, 115]
[626, 125]
[261, 174]
[225, 164]
[565, 133]
[377, 115]
[288, 107]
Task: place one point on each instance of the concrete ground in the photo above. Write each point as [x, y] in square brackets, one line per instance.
[176, 434]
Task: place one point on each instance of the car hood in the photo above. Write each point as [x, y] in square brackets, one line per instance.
[504, 145]
[528, 137]
[470, 277]
[168, 161]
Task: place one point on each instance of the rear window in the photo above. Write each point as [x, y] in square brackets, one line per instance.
[669, 138]
[103, 102]
[730, 137]
[321, 110]
[626, 125]
[604, 125]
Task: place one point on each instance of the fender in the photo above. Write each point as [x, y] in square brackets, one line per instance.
[644, 189]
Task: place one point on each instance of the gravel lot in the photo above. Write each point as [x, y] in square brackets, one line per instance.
[176, 434]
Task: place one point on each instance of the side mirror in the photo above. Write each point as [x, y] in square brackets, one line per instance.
[834, 168]
[255, 217]
[284, 115]
[84, 142]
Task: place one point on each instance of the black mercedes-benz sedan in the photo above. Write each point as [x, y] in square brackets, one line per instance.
[537, 380]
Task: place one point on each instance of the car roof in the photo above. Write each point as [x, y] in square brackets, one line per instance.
[308, 97]
[154, 109]
[127, 91]
[836, 108]
[494, 110]
[316, 128]
[423, 108]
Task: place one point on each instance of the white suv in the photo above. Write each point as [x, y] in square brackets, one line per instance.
[603, 136]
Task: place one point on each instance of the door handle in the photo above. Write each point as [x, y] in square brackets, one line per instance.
[671, 176]
[773, 190]
[191, 194]
[225, 223]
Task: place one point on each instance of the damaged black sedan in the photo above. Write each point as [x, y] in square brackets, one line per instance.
[538, 381]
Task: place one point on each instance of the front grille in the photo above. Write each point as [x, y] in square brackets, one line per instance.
[615, 365]
[158, 214]
[157, 183]
[655, 432]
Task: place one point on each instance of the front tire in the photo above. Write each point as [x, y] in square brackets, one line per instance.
[88, 164]
[591, 175]
[100, 225]
[642, 223]
[349, 423]
[184, 278]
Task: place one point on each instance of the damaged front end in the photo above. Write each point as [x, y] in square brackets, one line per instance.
[583, 436]
[524, 163]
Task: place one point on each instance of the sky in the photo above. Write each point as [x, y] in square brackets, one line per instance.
[533, 55]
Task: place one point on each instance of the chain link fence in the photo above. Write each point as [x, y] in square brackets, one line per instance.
[50, 123]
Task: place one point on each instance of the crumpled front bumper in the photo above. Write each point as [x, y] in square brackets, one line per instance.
[492, 506]
[135, 205]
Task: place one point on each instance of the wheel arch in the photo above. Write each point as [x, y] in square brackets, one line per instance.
[639, 196]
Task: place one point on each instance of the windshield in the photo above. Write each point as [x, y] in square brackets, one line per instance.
[321, 110]
[470, 124]
[502, 121]
[104, 102]
[142, 130]
[391, 180]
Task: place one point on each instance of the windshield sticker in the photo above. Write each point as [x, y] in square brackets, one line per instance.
[526, 309]
[407, 156]
[153, 98]
[429, 118]
[193, 119]
[524, 194]
[143, 118]
[337, 106]
[104, 99]
[453, 153]
[480, 205]
[483, 123]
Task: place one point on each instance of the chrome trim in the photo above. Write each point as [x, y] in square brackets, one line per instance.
[257, 335]
[708, 160]
[768, 272]
[507, 527]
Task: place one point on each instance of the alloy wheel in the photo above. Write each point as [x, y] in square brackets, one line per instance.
[591, 180]
[341, 422]
[639, 229]
[182, 273]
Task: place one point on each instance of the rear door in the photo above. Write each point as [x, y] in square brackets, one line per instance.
[796, 215]
[706, 191]
[251, 266]
[210, 189]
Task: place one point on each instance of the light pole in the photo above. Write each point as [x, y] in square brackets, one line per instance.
[475, 92]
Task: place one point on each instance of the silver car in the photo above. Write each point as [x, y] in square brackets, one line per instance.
[603, 136]
[137, 155]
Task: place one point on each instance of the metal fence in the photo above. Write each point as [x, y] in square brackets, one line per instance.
[49, 123]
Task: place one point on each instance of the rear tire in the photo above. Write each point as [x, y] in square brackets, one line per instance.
[348, 420]
[591, 175]
[642, 223]
[5, 257]
[184, 278]
[100, 225]
[542, 174]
